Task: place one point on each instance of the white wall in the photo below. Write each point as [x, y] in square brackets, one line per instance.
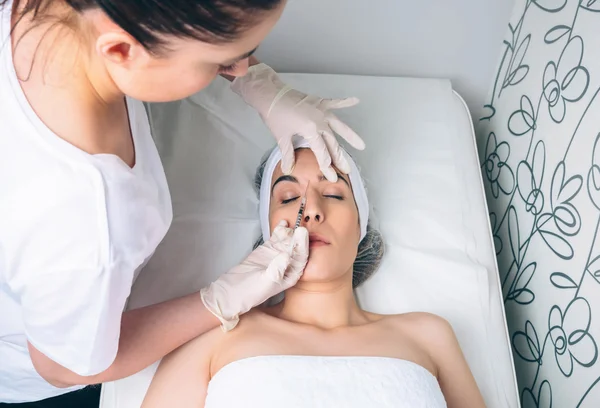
[456, 39]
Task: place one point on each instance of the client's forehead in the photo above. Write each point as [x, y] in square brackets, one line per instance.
[305, 164]
[304, 161]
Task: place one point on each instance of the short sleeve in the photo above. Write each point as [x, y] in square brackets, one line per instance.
[72, 296]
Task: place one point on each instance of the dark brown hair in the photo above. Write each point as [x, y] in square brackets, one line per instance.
[212, 21]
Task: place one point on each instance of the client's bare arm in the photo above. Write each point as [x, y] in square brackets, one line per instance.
[454, 375]
[182, 377]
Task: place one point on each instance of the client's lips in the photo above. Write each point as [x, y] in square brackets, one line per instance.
[315, 240]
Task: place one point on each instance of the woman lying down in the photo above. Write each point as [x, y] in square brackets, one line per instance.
[317, 348]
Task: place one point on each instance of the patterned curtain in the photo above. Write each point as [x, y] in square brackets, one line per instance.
[539, 141]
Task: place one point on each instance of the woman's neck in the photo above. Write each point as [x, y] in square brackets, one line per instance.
[325, 305]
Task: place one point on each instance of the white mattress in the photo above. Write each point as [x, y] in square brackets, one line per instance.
[424, 183]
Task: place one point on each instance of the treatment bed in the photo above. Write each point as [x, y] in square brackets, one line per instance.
[424, 182]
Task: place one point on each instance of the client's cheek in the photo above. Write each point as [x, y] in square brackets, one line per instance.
[289, 213]
[351, 230]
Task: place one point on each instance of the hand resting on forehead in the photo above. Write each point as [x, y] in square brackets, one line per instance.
[317, 347]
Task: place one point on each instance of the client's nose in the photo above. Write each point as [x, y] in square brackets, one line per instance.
[317, 218]
[313, 212]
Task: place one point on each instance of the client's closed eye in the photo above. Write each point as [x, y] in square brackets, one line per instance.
[289, 200]
[337, 197]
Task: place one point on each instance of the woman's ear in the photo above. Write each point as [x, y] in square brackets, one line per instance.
[115, 44]
[120, 48]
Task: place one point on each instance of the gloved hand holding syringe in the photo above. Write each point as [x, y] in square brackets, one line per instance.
[273, 267]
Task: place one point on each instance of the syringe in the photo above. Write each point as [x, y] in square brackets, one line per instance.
[302, 206]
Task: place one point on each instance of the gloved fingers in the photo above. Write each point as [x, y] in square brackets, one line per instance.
[319, 148]
[338, 155]
[278, 266]
[291, 240]
[294, 272]
[292, 277]
[282, 223]
[281, 232]
[287, 154]
[346, 132]
[338, 103]
[259, 259]
[300, 244]
[299, 257]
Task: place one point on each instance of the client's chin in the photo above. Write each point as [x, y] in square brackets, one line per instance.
[319, 269]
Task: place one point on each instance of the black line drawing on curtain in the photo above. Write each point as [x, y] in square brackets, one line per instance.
[547, 201]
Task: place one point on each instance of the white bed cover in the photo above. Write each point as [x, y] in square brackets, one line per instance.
[424, 183]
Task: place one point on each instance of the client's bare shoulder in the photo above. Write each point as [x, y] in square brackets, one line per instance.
[427, 328]
[423, 323]
[436, 336]
[431, 332]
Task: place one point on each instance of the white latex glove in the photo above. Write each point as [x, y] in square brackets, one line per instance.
[270, 269]
[288, 112]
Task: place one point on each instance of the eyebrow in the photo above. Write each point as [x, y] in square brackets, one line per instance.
[241, 57]
[340, 176]
[284, 178]
[293, 179]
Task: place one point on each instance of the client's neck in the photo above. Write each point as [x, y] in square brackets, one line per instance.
[325, 305]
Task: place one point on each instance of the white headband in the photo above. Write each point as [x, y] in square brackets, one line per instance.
[358, 188]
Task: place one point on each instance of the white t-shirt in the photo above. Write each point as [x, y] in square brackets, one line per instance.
[75, 229]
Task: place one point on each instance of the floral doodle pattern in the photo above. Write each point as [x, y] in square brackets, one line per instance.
[570, 336]
[500, 177]
[565, 81]
[539, 138]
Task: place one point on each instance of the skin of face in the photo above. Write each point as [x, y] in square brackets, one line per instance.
[330, 216]
[185, 68]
